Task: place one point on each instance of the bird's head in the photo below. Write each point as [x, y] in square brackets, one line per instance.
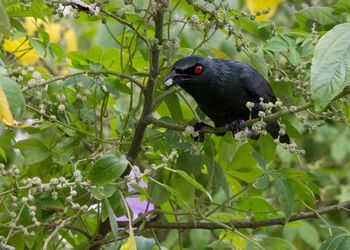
[190, 72]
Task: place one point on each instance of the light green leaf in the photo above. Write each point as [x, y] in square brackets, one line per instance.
[293, 57]
[276, 44]
[222, 217]
[341, 6]
[320, 15]
[330, 70]
[273, 243]
[3, 155]
[261, 208]
[110, 59]
[101, 192]
[309, 234]
[108, 168]
[4, 22]
[38, 46]
[94, 54]
[33, 150]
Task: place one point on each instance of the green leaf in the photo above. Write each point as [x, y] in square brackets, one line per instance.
[336, 242]
[249, 176]
[38, 46]
[94, 54]
[110, 59]
[14, 96]
[285, 195]
[293, 57]
[145, 243]
[190, 180]
[309, 234]
[222, 217]
[301, 190]
[243, 160]
[330, 70]
[320, 15]
[261, 208]
[276, 44]
[79, 59]
[33, 150]
[4, 22]
[57, 52]
[175, 193]
[262, 183]
[108, 168]
[259, 63]
[112, 220]
[101, 192]
[3, 155]
[172, 101]
[341, 7]
[273, 243]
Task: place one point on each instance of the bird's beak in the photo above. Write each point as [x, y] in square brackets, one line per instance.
[169, 79]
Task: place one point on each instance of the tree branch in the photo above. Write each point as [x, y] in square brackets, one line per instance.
[148, 92]
[241, 223]
[122, 21]
[147, 110]
[248, 123]
[101, 72]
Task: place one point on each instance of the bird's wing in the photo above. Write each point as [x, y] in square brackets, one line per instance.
[256, 85]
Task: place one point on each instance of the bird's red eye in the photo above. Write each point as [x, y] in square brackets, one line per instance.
[198, 69]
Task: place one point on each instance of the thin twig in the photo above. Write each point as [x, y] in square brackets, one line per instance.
[243, 223]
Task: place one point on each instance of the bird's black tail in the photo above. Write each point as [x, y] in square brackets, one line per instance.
[273, 128]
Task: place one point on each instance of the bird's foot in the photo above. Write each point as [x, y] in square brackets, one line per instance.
[236, 126]
[198, 126]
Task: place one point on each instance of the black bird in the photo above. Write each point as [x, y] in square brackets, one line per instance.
[222, 88]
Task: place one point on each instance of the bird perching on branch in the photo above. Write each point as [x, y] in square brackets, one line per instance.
[222, 89]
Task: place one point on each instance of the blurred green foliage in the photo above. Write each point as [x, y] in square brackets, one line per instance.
[61, 179]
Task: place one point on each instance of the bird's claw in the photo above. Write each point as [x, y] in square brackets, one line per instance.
[236, 126]
[197, 127]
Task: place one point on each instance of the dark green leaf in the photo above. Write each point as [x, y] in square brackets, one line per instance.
[108, 168]
[285, 195]
[259, 63]
[112, 220]
[144, 243]
[336, 242]
[172, 101]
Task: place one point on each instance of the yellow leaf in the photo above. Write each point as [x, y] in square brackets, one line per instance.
[259, 5]
[21, 49]
[130, 244]
[5, 112]
[59, 33]
[6, 116]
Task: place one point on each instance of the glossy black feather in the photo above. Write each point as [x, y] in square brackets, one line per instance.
[224, 88]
